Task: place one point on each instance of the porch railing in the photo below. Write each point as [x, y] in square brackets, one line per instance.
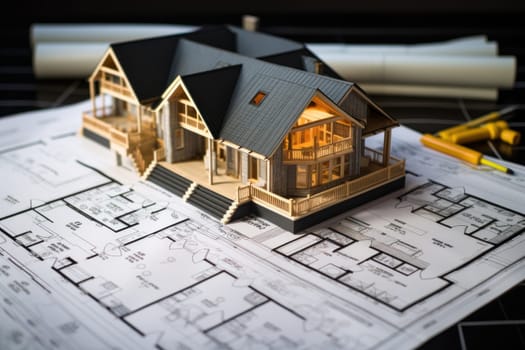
[312, 153]
[120, 138]
[96, 125]
[159, 154]
[303, 206]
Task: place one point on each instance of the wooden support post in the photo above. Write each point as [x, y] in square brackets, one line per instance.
[268, 175]
[92, 96]
[103, 99]
[139, 119]
[210, 161]
[386, 147]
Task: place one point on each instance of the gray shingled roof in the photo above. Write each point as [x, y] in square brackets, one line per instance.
[222, 83]
[257, 44]
[288, 91]
[147, 62]
[262, 128]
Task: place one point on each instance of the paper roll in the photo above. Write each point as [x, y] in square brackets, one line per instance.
[69, 60]
[468, 46]
[107, 33]
[66, 60]
[489, 94]
[425, 70]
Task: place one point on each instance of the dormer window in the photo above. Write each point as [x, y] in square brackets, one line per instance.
[258, 98]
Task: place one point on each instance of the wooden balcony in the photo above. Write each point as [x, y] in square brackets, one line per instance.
[316, 153]
[122, 135]
[193, 124]
[298, 207]
[116, 90]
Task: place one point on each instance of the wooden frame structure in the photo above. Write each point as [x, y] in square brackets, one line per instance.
[217, 112]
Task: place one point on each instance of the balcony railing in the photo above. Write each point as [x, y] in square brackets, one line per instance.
[126, 140]
[96, 125]
[304, 206]
[193, 124]
[313, 153]
[117, 88]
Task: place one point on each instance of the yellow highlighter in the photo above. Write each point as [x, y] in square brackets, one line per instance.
[460, 152]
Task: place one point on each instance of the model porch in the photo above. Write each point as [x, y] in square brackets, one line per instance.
[294, 209]
[124, 135]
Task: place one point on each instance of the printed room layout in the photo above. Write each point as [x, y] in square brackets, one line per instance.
[378, 254]
[146, 264]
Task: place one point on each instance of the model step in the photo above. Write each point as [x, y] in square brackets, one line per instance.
[165, 182]
[209, 201]
[169, 180]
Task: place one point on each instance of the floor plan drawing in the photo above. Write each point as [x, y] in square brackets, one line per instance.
[400, 266]
[452, 207]
[163, 275]
[91, 257]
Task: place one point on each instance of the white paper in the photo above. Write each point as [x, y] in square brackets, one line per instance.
[92, 257]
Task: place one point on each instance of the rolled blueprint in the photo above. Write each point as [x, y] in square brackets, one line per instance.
[66, 60]
[468, 46]
[466, 67]
[107, 33]
[478, 72]
[69, 60]
[473, 93]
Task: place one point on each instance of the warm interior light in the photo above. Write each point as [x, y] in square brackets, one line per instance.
[258, 98]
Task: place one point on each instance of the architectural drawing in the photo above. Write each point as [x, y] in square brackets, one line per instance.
[112, 262]
[152, 268]
[399, 265]
[237, 122]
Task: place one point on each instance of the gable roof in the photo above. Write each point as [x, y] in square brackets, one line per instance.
[147, 62]
[211, 92]
[288, 91]
[222, 82]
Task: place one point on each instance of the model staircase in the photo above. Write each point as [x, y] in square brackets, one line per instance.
[211, 202]
[169, 180]
[230, 212]
[149, 169]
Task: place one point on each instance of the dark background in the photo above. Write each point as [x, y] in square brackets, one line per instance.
[501, 323]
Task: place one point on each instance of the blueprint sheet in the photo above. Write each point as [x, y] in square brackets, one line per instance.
[91, 257]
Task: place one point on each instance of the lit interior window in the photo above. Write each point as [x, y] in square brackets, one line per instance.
[258, 98]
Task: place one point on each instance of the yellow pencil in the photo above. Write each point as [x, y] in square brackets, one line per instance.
[461, 152]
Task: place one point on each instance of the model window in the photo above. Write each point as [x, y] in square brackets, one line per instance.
[302, 176]
[325, 172]
[258, 98]
[314, 175]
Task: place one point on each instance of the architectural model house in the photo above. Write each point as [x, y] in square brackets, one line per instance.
[236, 121]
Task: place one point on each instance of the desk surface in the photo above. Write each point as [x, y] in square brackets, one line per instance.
[504, 318]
